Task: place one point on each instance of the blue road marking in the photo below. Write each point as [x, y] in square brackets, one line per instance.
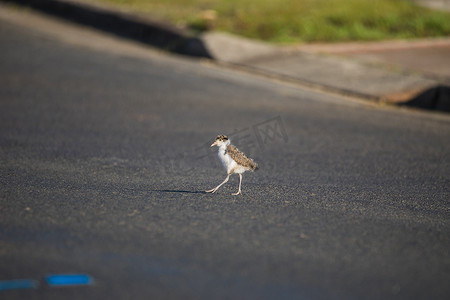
[69, 279]
[18, 284]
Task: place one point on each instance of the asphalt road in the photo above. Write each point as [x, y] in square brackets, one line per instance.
[104, 158]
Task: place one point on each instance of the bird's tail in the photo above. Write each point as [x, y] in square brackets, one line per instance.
[254, 166]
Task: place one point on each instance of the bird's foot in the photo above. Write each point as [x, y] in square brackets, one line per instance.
[211, 191]
[238, 193]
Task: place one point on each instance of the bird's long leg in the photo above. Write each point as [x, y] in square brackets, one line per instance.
[239, 190]
[217, 187]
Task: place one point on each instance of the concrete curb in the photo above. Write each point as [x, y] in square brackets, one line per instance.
[218, 46]
[145, 30]
[300, 66]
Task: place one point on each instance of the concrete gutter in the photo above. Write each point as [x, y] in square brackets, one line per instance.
[337, 68]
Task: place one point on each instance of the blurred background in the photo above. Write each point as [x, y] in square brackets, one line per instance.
[300, 21]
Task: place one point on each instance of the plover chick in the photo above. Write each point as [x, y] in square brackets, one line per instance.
[233, 160]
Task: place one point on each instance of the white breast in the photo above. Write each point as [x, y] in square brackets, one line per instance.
[227, 162]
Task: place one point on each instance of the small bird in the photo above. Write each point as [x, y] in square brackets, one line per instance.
[233, 160]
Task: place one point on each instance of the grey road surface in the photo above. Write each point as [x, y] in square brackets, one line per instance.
[104, 159]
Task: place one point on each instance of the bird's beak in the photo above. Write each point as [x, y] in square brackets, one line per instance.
[213, 144]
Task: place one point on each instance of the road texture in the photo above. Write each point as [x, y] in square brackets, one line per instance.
[104, 158]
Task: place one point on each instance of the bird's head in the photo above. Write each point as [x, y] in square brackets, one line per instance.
[221, 140]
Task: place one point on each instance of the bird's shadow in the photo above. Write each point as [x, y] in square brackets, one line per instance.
[181, 191]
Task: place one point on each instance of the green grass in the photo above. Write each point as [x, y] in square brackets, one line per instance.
[295, 21]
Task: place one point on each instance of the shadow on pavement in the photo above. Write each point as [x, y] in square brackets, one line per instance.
[180, 191]
[436, 98]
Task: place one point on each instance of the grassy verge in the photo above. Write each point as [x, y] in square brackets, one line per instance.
[294, 21]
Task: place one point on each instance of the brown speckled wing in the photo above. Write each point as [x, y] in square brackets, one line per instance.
[241, 158]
